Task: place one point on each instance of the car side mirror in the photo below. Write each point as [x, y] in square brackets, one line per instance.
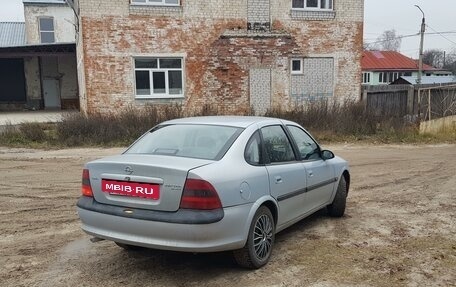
[326, 154]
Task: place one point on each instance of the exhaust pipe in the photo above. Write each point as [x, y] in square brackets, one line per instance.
[96, 239]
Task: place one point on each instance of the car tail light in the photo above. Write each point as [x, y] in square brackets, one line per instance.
[199, 194]
[86, 188]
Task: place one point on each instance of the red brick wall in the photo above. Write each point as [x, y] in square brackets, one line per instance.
[216, 66]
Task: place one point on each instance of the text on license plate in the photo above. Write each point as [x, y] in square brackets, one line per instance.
[136, 189]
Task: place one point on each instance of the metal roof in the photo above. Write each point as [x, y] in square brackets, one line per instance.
[43, 2]
[38, 50]
[12, 34]
[390, 61]
[428, 80]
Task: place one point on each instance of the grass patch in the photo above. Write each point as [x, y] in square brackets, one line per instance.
[328, 122]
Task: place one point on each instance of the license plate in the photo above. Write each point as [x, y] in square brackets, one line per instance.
[134, 189]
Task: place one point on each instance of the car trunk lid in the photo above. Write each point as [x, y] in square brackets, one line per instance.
[153, 182]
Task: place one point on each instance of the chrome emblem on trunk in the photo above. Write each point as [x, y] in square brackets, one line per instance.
[128, 170]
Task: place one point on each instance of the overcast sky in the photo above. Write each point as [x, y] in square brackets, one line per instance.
[405, 18]
[380, 15]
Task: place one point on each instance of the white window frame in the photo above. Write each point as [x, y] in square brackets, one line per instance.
[383, 78]
[46, 31]
[388, 77]
[154, 3]
[314, 8]
[366, 77]
[165, 95]
[301, 70]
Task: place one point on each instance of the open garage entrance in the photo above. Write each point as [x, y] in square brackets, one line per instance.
[12, 82]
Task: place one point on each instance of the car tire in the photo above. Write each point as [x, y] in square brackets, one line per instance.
[337, 207]
[258, 248]
[127, 247]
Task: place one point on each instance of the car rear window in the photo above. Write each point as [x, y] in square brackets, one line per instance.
[195, 141]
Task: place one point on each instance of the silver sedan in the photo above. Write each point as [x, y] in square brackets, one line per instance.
[212, 184]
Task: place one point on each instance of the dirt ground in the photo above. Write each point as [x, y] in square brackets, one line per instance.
[399, 229]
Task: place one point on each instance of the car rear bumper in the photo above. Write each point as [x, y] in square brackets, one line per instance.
[229, 233]
[186, 216]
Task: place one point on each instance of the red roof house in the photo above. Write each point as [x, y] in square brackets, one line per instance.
[384, 67]
[390, 61]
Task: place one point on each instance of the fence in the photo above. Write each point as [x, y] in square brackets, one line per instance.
[423, 101]
[436, 102]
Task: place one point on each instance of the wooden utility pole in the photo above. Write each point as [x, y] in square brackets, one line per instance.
[444, 59]
[420, 65]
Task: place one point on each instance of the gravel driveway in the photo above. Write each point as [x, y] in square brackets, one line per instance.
[399, 229]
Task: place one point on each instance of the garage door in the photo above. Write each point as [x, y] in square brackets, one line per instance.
[12, 80]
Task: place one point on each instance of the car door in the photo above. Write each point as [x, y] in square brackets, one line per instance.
[320, 174]
[287, 178]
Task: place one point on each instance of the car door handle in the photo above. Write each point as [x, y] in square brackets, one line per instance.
[278, 179]
[310, 173]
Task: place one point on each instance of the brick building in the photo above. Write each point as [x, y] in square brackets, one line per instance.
[38, 58]
[232, 54]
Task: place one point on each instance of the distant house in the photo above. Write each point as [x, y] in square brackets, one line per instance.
[385, 67]
[38, 58]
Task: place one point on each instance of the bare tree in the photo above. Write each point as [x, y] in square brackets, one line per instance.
[389, 40]
[450, 62]
[434, 57]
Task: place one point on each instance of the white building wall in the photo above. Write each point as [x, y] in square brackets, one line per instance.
[69, 81]
[32, 81]
[64, 22]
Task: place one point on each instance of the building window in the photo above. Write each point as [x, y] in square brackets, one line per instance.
[46, 26]
[159, 77]
[157, 2]
[366, 78]
[296, 66]
[313, 4]
[388, 77]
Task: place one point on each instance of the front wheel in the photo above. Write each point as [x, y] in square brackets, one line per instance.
[258, 248]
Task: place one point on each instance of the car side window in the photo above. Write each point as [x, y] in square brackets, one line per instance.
[253, 150]
[307, 147]
[278, 147]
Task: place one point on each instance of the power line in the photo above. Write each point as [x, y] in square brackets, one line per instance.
[435, 33]
[399, 37]
[441, 34]
[446, 32]
[415, 35]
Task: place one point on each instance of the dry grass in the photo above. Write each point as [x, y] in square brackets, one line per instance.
[327, 121]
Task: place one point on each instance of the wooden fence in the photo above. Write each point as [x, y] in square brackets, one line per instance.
[424, 101]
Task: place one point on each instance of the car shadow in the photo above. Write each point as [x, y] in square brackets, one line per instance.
[167, 268]
[222, 261]
[299, 227]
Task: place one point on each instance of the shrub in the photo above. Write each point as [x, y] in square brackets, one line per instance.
[328, 121]
[339, 119]
[118, 129]
[33, 132]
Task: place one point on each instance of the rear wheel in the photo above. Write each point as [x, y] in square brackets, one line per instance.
[337, 207]
[258, 248]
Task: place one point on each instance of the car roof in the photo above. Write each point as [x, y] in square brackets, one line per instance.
[234, 121]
